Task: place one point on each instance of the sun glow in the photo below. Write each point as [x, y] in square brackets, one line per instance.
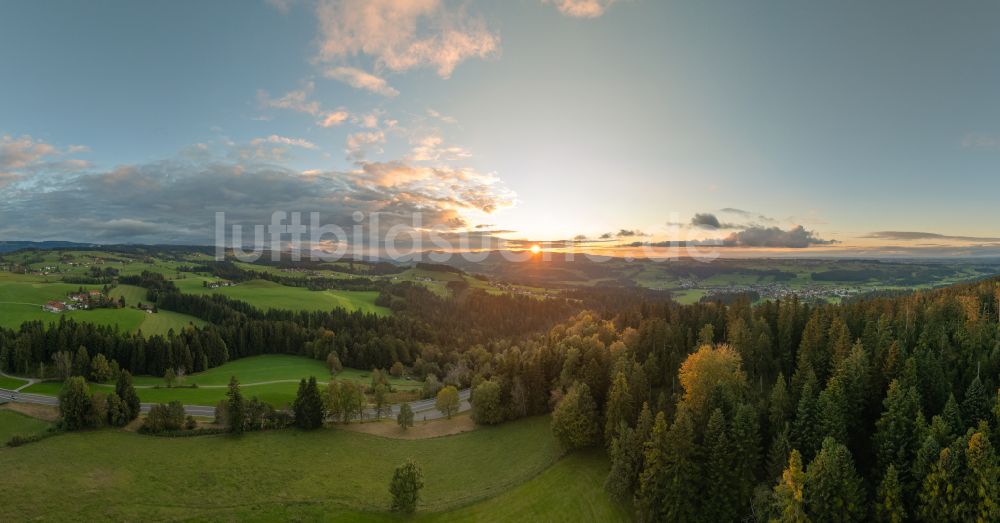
[535, 249]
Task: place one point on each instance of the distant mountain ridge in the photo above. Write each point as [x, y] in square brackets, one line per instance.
[11, 246]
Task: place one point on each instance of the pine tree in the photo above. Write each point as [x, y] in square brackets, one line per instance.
[889, 504]
[976, 405]
[789, 493]
[720, 493]
[833, 490]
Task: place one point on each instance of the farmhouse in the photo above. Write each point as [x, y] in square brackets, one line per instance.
[54, 306]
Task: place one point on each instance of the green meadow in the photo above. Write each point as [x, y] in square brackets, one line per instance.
[22, 297]
[272, 378]
[17, 424]
[507, 472]
[10, 383]
[269, 295]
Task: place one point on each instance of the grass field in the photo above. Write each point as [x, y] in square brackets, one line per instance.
[269, 295]
[254, 374]
[17, 424]
[326, 474]
[10, 383]
[22, 296]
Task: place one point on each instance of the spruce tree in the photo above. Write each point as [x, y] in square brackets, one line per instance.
[833, 490]
[976, 405]
[721, 498]
[618, 411]
[789, 493]
[941, 499]
[669, 483]
[896, 437]
[806, 430]
[952, 415]
[982, 489]
[746, 454]
[235, 407]
[626, 465]
[777, 454]
[834, 413]
[126, 392]
[308, 405]
[779, 406]
[889, 503]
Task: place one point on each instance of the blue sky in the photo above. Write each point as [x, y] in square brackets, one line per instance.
[856, 120]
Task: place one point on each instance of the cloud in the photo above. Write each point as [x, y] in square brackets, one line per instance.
[282, 140]
[281, 5]
[981, 141]
[748, 215]
[914, 236]
[581, 8]
[400, 35]
[438, 116]
[606, 236]
[431, 148]
[334, 118]
[359, 144]
[628, 233]
[797, 238]
[23, 156]
[298, 101]
[175, 200]
[359, 79]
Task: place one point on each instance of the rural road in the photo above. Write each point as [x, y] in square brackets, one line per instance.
[422, 409]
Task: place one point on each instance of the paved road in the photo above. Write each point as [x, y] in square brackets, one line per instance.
[422, 409]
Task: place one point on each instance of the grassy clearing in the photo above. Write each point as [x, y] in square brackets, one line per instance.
[571, 490]
[323, 474]
[10, 383]
[17, 424]
[254, 374]
[269, 295]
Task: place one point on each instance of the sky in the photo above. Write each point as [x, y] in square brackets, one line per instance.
[810, 127]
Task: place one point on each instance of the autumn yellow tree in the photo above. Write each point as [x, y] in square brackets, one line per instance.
[708, 369]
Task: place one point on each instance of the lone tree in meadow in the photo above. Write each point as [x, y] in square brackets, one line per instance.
[75, 404]
[487, 404]
[405, 487]
[170, 377]
[308, 406]
[129, 397]
[235, 407]
[448, 401]
[405, 416]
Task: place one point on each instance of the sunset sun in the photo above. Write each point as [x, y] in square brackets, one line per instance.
[535, 249]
